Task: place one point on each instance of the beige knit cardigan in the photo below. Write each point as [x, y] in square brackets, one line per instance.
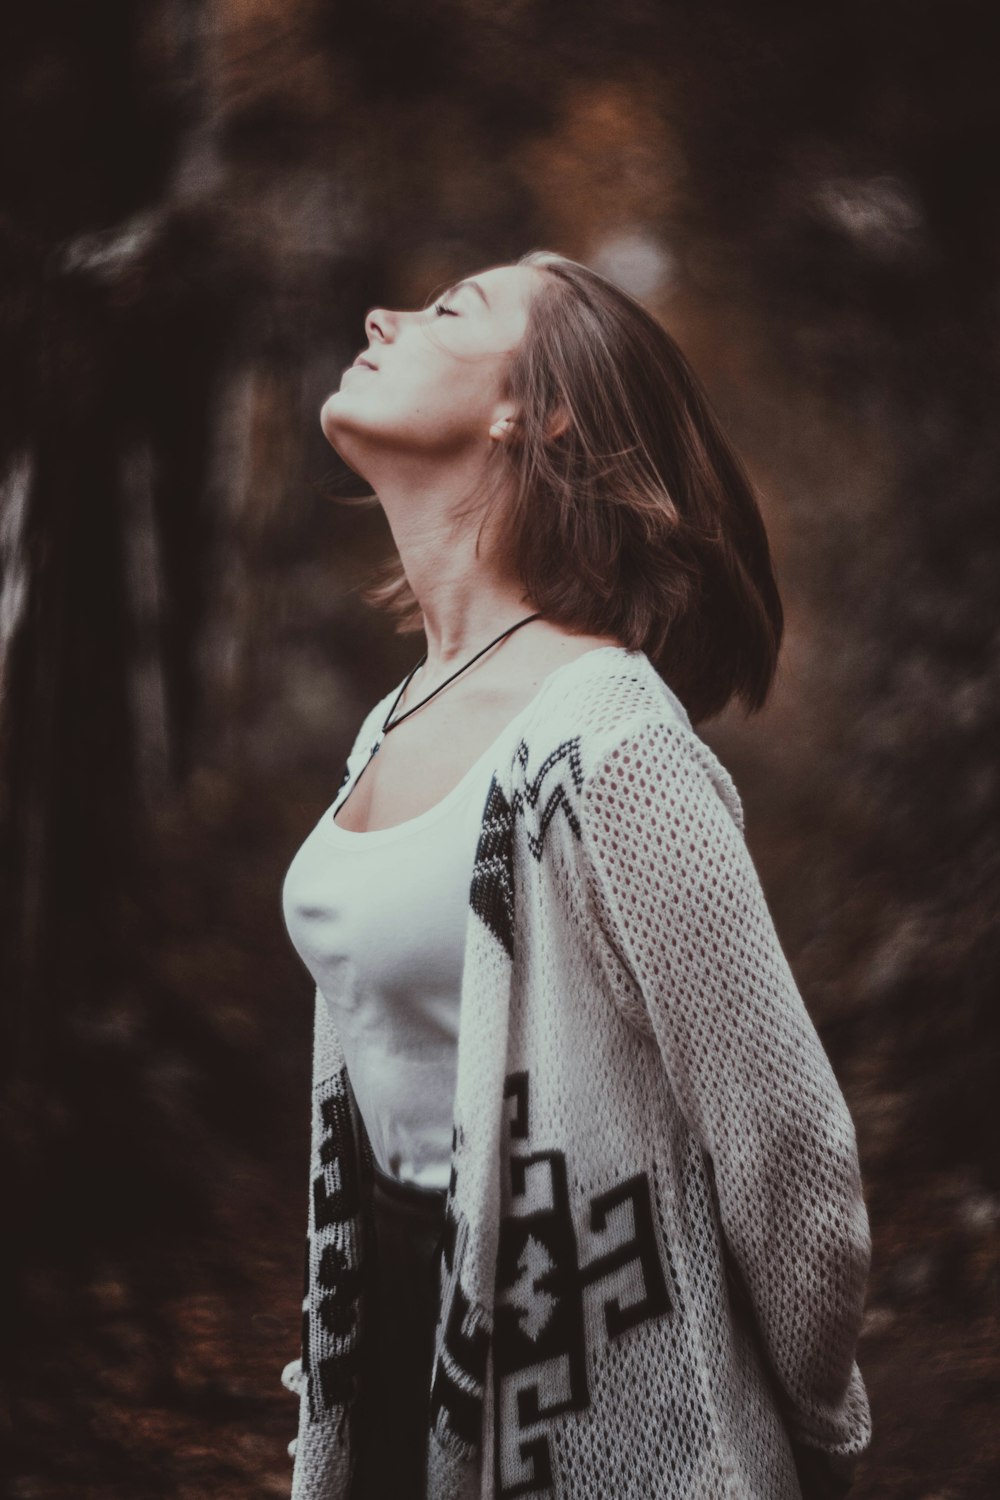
[656, 1244]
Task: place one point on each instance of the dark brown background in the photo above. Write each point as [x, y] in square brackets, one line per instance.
[200, 202]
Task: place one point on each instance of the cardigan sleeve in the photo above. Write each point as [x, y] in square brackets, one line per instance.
[677, 894]
[321, 1374]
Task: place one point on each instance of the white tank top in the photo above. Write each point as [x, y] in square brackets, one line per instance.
[379, 920]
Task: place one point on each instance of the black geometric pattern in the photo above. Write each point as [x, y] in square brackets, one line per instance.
[539, 1335]
[491, 894]
[516, 1088]
[330, 1345]
[458, 1381]
[527, 800]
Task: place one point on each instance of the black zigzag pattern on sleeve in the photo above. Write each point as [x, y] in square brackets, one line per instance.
[491, 894]
[555, 796]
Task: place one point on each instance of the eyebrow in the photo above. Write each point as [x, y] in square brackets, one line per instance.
[460, 284]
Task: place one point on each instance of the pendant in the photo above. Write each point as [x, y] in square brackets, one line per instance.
[377, 745]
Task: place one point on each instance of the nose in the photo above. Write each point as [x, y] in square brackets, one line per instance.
[379, 324]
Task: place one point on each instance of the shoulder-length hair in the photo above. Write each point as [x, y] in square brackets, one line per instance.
[618, 500]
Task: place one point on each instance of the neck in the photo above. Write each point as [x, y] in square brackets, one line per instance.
[465, 600]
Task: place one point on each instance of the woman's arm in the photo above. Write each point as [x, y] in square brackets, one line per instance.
[677, 893]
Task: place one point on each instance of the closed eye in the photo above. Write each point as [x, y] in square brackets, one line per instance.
[444, 312]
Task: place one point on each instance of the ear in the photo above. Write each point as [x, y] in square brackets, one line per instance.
[502, 428]
[558, 423]
[505, 424]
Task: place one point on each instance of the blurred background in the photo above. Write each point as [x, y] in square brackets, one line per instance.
[200, 199]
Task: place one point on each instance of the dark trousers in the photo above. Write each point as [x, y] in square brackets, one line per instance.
[394, 1400]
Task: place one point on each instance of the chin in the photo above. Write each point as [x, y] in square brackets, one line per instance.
[331, 418]
[341, 434]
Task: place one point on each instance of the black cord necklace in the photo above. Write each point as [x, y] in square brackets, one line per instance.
[387, 726]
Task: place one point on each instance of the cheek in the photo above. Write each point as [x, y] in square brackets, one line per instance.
[453, 403]
[463, 397]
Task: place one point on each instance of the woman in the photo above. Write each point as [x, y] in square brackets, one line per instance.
[606, 1238]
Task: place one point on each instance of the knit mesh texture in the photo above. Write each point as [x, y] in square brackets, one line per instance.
[658, 1245]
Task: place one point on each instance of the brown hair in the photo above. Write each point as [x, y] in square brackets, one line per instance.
[638, 520]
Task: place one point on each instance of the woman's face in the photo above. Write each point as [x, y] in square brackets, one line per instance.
[431, 381]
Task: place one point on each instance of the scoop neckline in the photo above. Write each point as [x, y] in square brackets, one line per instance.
[335, 834]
